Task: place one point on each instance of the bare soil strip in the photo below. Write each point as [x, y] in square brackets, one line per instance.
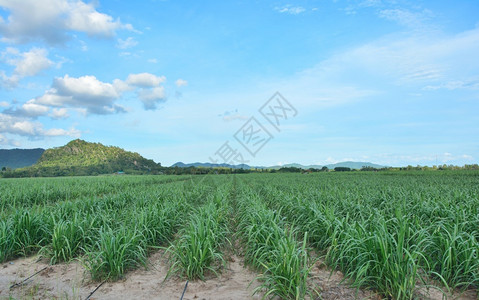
[70, 281]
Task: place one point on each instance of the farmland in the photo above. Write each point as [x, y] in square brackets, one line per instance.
[397, 235]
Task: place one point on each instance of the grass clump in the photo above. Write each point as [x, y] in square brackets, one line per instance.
[116, 252]
[197, 251]
[272, 250]
[6, 240]
[67, 239]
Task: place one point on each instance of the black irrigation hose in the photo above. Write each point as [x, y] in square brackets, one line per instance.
[87, 298]
[20, 283]
[184, 290]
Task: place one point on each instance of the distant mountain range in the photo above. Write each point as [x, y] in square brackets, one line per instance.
[210, 165]
[19, 158]
[355, 165]
[84, 158]
[347, 164]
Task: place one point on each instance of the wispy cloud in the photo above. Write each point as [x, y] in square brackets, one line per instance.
[181, 82]
[429, 159]
[352, 9]
[289, 9]
[84, 46]
[406, 17]
[412, 16]
[472, 84]
[235, 117]
[126, 43]
[435, 61]
[232, 115]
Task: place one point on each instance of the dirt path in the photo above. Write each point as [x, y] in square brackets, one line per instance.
[70, 281]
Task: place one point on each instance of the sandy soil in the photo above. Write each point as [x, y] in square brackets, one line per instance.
[437, 294]
[331, 286]
[70, 281]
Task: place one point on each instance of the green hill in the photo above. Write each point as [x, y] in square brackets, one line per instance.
[79, 157]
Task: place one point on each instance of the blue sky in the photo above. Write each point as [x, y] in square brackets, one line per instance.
[391, 82]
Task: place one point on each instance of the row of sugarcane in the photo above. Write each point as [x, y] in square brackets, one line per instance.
[394, 235]
[109, 234]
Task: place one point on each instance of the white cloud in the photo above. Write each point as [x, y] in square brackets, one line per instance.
[129, 27]
[181, 82]
[84, 92]
[153, 60]
[84, 18]
[127, 43]
[51, 98]
[31, 63]
[93, 96]
[145, 80]
[4, 104]
[4, 141]
[151, 97]
[21, 126]
[59, 113]
[8, 82]
[85, 87]
[121, 86]
[292, 10]
[33, 109]
[51, 20]
[62, 132]
[26, 64]
[30, 109]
